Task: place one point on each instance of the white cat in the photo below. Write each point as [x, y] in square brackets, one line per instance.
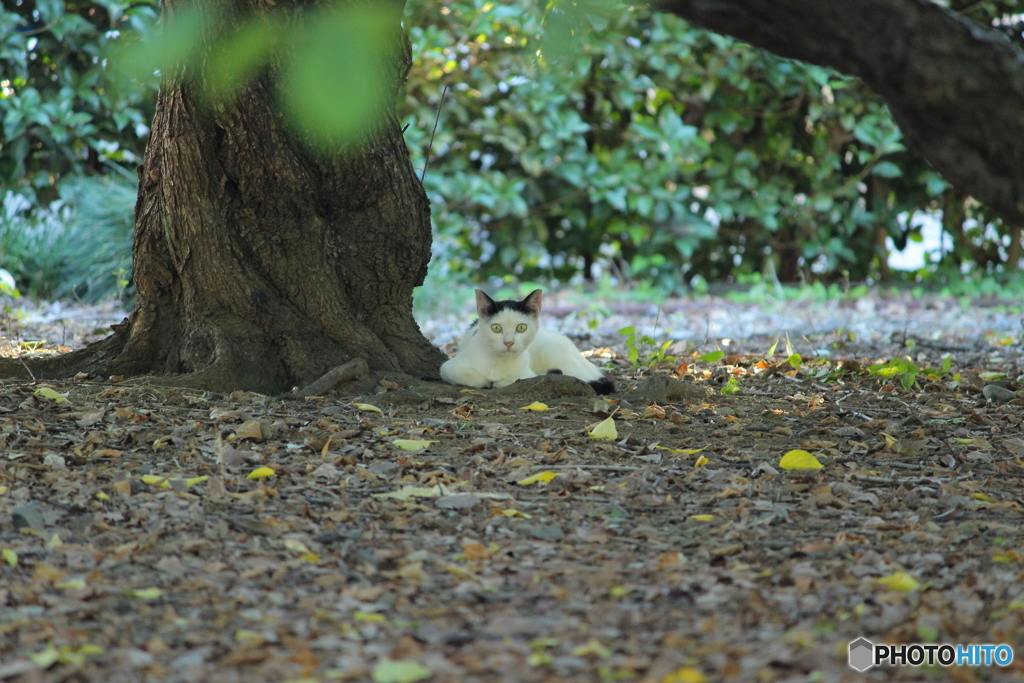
[506, 343]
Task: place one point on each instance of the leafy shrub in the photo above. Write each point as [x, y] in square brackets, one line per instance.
[656, 150]
[79, 246]
[60, 114]
[97, 247]
[577, 140]
[30, 244]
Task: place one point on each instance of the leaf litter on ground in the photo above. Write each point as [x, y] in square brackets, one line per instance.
[631, 564]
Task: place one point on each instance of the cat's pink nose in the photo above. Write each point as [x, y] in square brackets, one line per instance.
[509, 344]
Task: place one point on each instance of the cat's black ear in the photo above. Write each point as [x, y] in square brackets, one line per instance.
[532, 303]
[485, 306]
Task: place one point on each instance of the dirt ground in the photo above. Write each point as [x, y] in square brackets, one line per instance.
[155, 534]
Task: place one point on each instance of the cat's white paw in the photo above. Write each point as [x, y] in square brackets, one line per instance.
[454, 372]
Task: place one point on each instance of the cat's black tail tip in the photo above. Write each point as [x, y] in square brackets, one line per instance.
[603, 385]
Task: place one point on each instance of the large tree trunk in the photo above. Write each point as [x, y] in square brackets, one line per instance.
[260, 264]
[955, 88]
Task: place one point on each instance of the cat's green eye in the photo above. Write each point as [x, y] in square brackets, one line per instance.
[521, 327]
[496, 328]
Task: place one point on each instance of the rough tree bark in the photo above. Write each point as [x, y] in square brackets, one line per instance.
[261, 265]
[955, 88]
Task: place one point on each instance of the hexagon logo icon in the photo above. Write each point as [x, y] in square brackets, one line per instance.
[862, 654]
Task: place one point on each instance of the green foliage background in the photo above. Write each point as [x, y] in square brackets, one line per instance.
[576, 140]
[660, 152]
[68, 134]
[61, 115]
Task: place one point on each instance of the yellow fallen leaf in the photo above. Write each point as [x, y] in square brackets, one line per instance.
[799, 460]
[155, 480]
[701, 461]
[684, 451]
[70, 583]
[539, 658]
[900, 581]
[1009, 557]
[10, 557]
[245, 637]
[47, 392]
[295, 545]
[462, 573]
[262, 492]
[985, 497]
[412, 444]
[413, 572]
[407, 492]
[510, 513]
[593, 648]
[370, 617]
[260, 473]
[102, 496]
[195, 480]
[399, 671]
[702, 518]
[312, 558]
[45, 658]
[75, 657]
[536, 405]
[3, 490]
[145, 593]
[688, 674]
[368, 407]
[605, 429]
[540, 476]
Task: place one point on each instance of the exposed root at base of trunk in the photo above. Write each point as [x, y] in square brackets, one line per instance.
[353, 369]
[100, 359]
[232, 359]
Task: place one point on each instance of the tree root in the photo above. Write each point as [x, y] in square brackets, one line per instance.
[353, 369]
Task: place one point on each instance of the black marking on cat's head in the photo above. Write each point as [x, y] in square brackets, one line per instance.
[603, 385]
[486, 307]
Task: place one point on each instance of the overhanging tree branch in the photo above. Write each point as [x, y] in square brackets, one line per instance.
[955, 88]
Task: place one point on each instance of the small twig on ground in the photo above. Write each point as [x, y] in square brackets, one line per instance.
[942, 347]
[582, 466]
[430, 145]
[993, 473]
[886, 481]
[356, 367]
[909, 465]
[30, 373]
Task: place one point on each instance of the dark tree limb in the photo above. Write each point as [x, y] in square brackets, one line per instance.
[955, 88]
